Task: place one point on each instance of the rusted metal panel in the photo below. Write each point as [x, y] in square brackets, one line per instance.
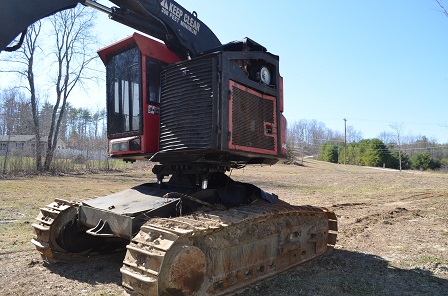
[244, 255]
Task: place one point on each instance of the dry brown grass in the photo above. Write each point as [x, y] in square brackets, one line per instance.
[393, 231]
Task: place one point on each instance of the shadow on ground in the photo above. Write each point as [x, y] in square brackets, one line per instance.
[341, 273]
[350, 273]
[102, 269]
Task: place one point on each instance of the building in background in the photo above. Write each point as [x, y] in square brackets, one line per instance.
[25, 145]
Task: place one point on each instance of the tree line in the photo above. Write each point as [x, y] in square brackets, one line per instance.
[305, 137]
[375, 153]
[310, 138]
[78, 125]
[83, 130]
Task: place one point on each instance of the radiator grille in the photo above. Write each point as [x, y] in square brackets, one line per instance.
[253, 119]
[187, 105]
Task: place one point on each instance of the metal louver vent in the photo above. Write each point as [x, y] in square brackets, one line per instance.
[252, 121]
[187, 105]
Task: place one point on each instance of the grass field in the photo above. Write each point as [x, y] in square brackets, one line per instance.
[393, 231]
[25, 165]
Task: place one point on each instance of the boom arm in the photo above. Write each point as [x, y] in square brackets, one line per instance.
[17, 15]
[166, 20]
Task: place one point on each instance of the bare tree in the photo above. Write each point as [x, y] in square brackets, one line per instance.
[8, 115]
[353, 135]
[24, 67]
[9, 105]
[14, 117]
[398, 129]
[306, 136]
[73, 51]
[29, 48]
[387, 137]
[97, 117]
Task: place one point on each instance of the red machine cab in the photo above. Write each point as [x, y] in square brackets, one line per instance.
[133, 67]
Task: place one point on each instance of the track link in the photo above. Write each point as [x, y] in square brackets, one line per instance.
[49, 223]
[222, 251]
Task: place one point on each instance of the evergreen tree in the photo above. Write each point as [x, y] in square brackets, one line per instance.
[329, 152]
[424, 161]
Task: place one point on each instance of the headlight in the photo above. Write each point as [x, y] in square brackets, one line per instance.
[265, 75]
[125, 144]
[119, 146]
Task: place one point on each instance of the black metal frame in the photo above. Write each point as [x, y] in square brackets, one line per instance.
[134, 132]
[226, 69]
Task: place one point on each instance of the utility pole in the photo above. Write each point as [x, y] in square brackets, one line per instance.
[345, 140]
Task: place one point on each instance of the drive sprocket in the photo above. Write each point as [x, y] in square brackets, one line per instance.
[58, 234]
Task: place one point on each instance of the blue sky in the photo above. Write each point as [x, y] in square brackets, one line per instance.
[375, 62]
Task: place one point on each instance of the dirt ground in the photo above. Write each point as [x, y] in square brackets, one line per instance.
[393, 231]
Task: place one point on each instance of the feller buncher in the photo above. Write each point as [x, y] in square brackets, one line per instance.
[198, 109]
